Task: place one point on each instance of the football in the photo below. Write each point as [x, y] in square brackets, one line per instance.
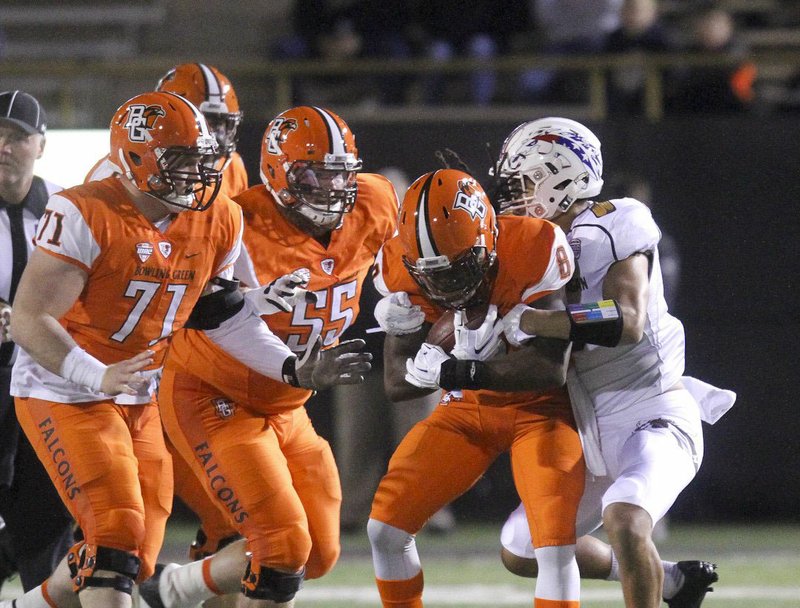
[443, 331]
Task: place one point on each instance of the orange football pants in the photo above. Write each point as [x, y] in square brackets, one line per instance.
[445, 454]
[111, 468]
[273, 475]
[215, 523]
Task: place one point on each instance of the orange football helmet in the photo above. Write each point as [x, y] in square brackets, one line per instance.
[309, 161]
[448, 231]
[213, 94]
[161, 143]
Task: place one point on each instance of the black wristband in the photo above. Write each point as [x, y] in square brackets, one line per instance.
[457, 374]
[289, 371]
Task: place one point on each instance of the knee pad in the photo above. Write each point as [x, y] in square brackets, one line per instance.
[84, 559]
[201, 548]
[384, 537]
[264, 583]
[394, 552]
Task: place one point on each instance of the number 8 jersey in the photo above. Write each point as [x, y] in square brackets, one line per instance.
[274, 247]
[142, 281]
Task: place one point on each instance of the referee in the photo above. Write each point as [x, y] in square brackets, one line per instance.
[38, 529]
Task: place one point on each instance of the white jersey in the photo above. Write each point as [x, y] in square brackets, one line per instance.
[617, 378]
[643, 443]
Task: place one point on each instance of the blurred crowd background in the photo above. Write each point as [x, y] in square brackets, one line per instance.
[696, 104]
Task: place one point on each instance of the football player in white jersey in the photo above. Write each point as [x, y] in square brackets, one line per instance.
[638, 417]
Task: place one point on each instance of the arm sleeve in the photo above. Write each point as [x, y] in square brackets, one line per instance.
[66, 232]
[244, 269]
[246, 338]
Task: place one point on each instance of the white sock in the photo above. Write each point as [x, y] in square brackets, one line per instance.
[184, 585]
[673, 579]
[31, 599]
[613, 574]
[559, 578]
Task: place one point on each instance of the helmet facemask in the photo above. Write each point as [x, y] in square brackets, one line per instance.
[322, 192]
[225, 129]
[187, 178]
[462, 283]
[524, 196]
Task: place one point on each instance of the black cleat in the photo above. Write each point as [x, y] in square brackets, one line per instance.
[149, 597]
[698, 578]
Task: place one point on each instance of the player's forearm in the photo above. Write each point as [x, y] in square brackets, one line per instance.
[521, 373]
[42, 337]
[545, 323]
[396, 351]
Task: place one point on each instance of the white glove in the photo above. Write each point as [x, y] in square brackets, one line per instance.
[5, 323]
[397, 316]
[424, 370]
[514, 335]
[282, 294]
[478, 344]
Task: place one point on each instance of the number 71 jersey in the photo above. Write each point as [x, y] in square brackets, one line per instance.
[274, 247]
[142, 282]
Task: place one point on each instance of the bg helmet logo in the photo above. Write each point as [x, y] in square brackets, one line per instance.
[141, 119]
[277, 134]
[470, 199]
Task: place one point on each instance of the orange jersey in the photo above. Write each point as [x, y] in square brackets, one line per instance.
[534, 259]
[142, 283]
[234, 178]
[274, 247]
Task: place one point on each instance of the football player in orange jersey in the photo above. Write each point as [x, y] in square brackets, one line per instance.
[213, 94]
[120, 265]
[248, 438]
[452, 253]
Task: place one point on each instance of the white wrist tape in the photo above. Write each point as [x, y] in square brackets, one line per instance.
[81, 368]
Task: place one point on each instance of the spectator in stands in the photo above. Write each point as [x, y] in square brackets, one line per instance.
[563, 27]
[324, 30]
[385, 30]
[640, 31]
[715, 88]
[449, 29]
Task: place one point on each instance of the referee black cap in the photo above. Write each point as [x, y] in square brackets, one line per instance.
[23, 110]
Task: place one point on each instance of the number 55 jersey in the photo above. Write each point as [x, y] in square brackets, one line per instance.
[273, 247]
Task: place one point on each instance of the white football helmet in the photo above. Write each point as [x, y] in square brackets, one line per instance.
[559, 157]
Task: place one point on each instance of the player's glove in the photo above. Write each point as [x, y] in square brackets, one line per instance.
[282, 294]
[345, 363]
[514, 335]
[424, 369]
[478, 344]
[397, 316]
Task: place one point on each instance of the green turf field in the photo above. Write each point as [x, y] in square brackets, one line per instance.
[759, 566]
